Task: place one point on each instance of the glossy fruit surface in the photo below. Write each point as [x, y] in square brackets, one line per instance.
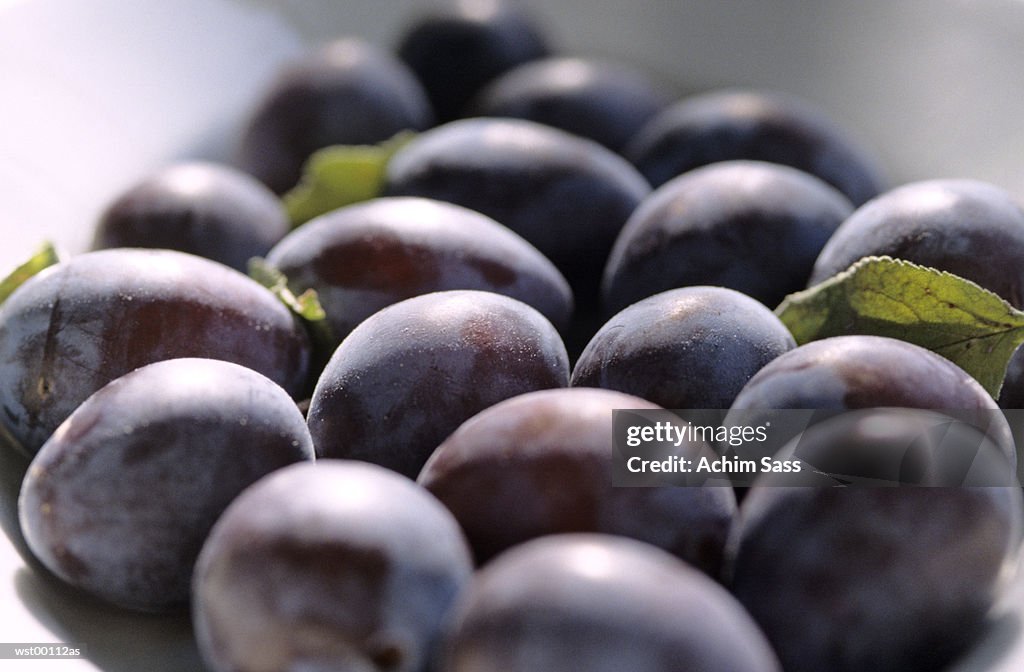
[693, 347]
[78, 325]
[873, 578]
[856, 372]
[329, 566]
[120, 499]
[603, 604]
[967, 227]
[207, 209]
[567, 196]
[348, 92]
[604, 101]
[410, 374]
[364, 257]
[456, 50]
[751, 226]
[756, 125]
[541, 463]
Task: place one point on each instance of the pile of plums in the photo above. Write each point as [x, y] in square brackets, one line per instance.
[424, 480]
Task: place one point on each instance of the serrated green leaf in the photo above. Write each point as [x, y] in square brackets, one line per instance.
[945, 313]
[46, 256]
[341, 175]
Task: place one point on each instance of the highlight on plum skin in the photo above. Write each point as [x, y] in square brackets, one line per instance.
[78, 325]
[337, 565]
[365, 257]
[599, 603]
[410, 374]
[686, 348]
[542, 463]
[119, 500]
[207, 209]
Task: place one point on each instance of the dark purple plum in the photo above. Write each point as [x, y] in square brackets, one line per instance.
[751, 226]
[120, 499]
[80, 324]
[967, 227]
[410, 374]
[887, 446]
[603, 604]
[364, 257]
[331, 566]
[604, 101]
[348, 92]
[457, 48]
[886, 579]
[541, 463]
[687, 348]
[753, 125]
[858, 372]
[207, 209]
[567, 196]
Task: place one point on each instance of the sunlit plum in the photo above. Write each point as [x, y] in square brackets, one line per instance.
[122, 496]
[80, 324]
[410, 374]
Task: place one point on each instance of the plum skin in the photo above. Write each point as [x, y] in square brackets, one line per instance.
[752, 226]
[569, 197]
[78, 325]
[687, 348]
[410, 374]
[602, 100]
[347, 92]
[966, 227]
[598, 603]
[211, 210]
[737, 124]
[955, 225]
[119, 500]
[541, 463]
[364, 257]
[332, 565]
[872, 578]
[457, 50]
[859, 371]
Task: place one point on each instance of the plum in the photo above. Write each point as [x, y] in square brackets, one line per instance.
[598, 603]
[687, 348]
[80, 324]
[872, 578]
[347, 92]
[751, 226]
[859, 371]
[120, 499]
[211, 210]
[458, 48]
[567, 196]
[364, 257]
[602, 100]
[967, 227]
[733, 124]
[336, 565]
[541, 463]
[410, 374]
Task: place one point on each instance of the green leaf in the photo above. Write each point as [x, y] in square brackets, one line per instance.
[46, 256]
[341, 175]
[945, 313]
[305, 305]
